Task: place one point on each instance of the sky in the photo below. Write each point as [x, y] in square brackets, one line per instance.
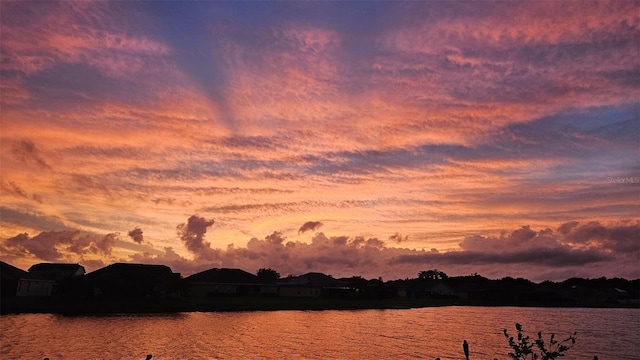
[354, 138]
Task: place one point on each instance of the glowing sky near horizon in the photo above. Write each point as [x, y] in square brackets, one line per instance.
[353, 138]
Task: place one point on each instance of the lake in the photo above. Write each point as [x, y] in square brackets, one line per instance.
[424, 333]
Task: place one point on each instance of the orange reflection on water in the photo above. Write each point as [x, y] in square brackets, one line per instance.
[424, 333]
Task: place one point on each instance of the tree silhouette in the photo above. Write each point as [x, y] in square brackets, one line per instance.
[267, 275]
[434, 274]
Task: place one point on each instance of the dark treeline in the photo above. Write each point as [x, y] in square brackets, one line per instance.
[120, 287]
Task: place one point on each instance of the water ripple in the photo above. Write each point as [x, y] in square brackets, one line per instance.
[424, 333]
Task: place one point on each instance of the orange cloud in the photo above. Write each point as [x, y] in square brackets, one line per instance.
[437, 122]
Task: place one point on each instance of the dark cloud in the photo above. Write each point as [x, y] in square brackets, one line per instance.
[55, 245]
[166, 200]
[12, 188]
[105, 243]
[624, 77]
[136, 235]
[572, 243]
[522, 252]
[523, 238]
[577, 134]
[109, 152]
[93, 264]
[375, 243]
[397, 237]
[37, 221]
[27, 152]
[86, 183]
[192, 234]
[275, 238]
[212, 191]
[42, 246]
[250, 142]
[183, 172]
[340, 240]
[581, 134]
[621, 238]
[574, 249]
[54, 87]
[175, 261]
[288, 206]
[566, 228]
[297, 206]
[309, 226]
[559, 257]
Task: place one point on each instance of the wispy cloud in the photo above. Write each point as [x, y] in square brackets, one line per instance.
[27, 152]
[422, 123]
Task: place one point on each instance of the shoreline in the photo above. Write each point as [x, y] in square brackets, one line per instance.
[67, 306]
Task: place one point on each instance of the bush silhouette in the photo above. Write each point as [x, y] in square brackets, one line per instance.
[523, 348]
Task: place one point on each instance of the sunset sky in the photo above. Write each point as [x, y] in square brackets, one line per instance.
[351, 138]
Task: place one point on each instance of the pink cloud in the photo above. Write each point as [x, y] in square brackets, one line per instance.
[55, 245]
[73, 33]
[192, 234]
[522, 252]
[402, 127]
[136, 235]
[13, 92]
[534, 254]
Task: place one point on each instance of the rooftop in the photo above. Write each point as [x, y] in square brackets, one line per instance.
[224, 276]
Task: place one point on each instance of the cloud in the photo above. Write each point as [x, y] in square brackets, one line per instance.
[34, 219]
[616, 238]
[289, 207]
[346, 256]
[192, 234]
[13, 92]
[42, 246]
[12, 188]
[172, 259]
[588, 249]
[27, 152]
[275, 238]
[619, 238]
[56, 245]
[309, 225]
[136, 235]
[559, 257]
[445, 122]
[397, 237]
[522, 238]
[523, 252]
[105, 243]
[96, 36]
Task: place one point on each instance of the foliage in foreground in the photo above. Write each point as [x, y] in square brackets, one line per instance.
[523, 348]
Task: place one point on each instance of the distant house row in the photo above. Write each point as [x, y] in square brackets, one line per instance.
[126, 280]
[143, 280]
[40, 280]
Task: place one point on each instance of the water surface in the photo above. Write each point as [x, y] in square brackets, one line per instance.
[424, 333]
